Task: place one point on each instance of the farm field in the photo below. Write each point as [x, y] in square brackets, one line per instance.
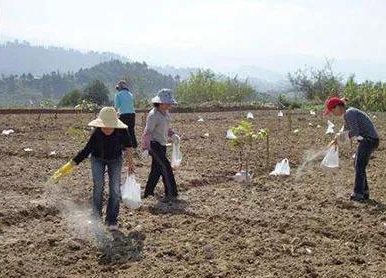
[298, 226]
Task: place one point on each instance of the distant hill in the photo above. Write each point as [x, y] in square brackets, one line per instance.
[182, 73]
[24, 88]
[22, 57]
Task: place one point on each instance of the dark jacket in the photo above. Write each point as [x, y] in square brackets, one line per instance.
[104, 147]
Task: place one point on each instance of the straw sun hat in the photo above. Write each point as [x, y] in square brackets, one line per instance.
[107, 118]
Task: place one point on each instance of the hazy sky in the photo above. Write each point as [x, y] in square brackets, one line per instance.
[211, 33]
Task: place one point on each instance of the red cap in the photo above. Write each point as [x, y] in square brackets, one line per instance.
[331, 103]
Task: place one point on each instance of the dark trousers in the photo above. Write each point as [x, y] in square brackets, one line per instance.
[129, 120]
[160, 166]
[365, 149]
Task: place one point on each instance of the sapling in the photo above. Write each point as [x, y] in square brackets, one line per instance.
[289, 114]
[244, 140]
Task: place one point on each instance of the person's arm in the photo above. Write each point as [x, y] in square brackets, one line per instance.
[83, 154]
[147, 134]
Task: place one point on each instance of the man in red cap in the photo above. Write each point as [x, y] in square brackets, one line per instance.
[357, 126]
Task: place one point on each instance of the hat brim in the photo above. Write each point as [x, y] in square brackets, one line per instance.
[99, 123]
[157, 99]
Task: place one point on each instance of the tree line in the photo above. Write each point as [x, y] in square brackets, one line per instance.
[316, 85]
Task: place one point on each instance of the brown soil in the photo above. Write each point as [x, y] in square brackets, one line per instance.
[297, 226]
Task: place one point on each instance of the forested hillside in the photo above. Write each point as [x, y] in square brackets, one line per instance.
[27, 88]
[22, 57]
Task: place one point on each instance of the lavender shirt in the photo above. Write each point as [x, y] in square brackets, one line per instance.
[157, 128]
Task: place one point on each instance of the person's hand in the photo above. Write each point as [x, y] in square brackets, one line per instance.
[176, 139]
[65, 170]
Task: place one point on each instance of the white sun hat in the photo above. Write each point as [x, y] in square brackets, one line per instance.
[164, 96]
[107, 118]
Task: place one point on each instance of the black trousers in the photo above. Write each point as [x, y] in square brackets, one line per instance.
[160, 166]
[129, 120]
[365, 149]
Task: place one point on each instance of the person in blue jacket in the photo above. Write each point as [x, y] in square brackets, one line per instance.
[124, 104]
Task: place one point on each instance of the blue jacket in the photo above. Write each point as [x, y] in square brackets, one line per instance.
[124, 102]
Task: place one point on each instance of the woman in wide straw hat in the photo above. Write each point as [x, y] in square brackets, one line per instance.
[156, 135]
[105, 146]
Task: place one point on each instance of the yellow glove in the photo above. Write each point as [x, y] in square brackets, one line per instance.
[65, 170]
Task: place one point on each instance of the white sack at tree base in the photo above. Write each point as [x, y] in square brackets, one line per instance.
[241, 176]
[131, 192]
[176, 155]
[330, 128]
[280, 114]
[230, 135]
[331, 159]
[250, 115]
[282, 168]
[7, 132]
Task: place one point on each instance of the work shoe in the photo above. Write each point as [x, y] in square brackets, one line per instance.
[145, 195]
[357, 198]
[366, 195]
[169, 199]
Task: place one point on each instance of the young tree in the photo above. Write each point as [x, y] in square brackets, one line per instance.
[243, 142]
[97, 93]
[317, 84]
[71, 99]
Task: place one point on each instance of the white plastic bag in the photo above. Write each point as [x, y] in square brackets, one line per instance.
[312, 112]
[7, 131]
[280, 114]
[230, 135]
[331, 159]
[282, 168]
[242, 176]
[200, 119]
[131, 192]
[250, 115]
[176, 155]
[330, 128]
